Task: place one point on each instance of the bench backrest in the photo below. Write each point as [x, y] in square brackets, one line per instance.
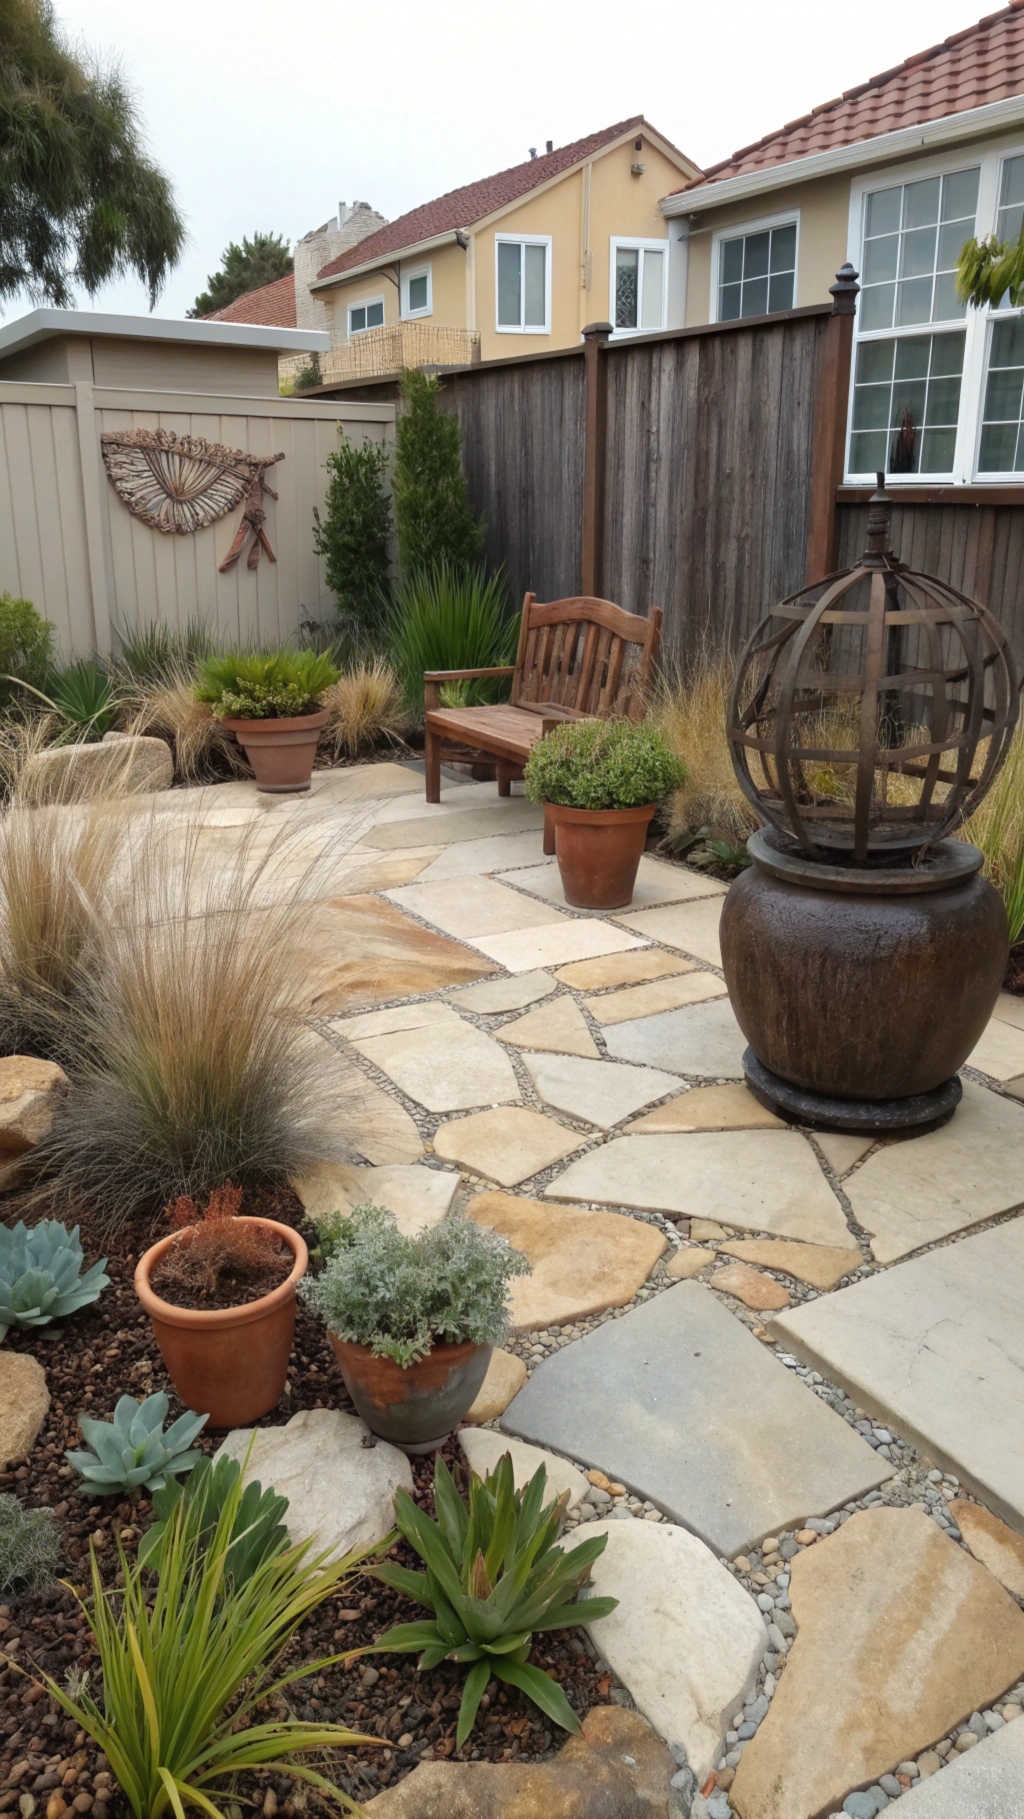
[586, 657]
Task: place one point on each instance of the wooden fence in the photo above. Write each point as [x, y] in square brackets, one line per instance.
[69, 544]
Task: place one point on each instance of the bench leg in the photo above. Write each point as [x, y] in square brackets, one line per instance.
[549, 834]
[504, 778]
[432, 755]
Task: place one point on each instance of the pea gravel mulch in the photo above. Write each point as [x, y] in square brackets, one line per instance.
[48, 1768]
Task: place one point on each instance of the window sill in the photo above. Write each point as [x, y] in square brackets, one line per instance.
[999, 492]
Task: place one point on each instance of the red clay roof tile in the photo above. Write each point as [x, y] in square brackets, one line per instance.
[272, 306]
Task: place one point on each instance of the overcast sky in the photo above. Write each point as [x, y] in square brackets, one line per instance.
[265, 113]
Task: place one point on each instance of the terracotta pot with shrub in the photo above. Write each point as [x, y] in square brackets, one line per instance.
[600, 782]
[412, 1320]
[269, 700]
[220, 1292]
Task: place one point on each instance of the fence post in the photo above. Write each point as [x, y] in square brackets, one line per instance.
[828, 442]
[94, 481]
[595, 340]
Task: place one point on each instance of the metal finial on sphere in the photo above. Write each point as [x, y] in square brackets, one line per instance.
[872, 710]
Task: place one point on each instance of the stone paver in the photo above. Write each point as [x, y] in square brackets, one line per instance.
[937, 1346]
[711, 1108]
[446, 825]
[688, 1261]
[494, 995]
[366, 1122]
[601, 1092]
[763, 1181]
[657, 881]
[622, 969]
[362, 950]
[900, 1635]
[999, 1052]
[692, 927]
[446, 1065]
[583, 1262]
[999, 1548]
[985, 1783]
[395, 1019]
[842, 1150]
[507, 1143]
[24, 1403]
[677, 1400]
[573, 938]
[658, 995]
[819, 1264]
[419, 1197]
[483, 1448]
[702, 1039]
[494, 853]
[339, 1490]
[750, 1286]
[465, 907]
[505, 1377]
[686, 1639]
[558, 1027]
[1010, 1009]
[911, 1193]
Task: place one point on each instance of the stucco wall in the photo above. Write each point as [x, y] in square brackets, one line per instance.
[824, 210]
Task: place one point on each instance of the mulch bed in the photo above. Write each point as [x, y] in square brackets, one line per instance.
[98, 1355]
[1014, 981]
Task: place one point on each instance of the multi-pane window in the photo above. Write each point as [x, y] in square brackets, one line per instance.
[522, 282]
[638, 286]
[906, 404]
[757, 273]
[416, 292]
[913, 233]
[1002, 442]
[1010, 215]
[366, 315]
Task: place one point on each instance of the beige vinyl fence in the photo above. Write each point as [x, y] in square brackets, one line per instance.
[69, 544]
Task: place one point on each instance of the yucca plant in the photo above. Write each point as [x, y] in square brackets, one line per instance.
[41, 1276]
[135, 1448]
[264, 685]
[259, 1531]
[495, 1576]
[186, 1664]
[444, 619]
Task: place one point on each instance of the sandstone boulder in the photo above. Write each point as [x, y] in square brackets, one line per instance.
[30, 1091]
[121, 764]
[24, 1402]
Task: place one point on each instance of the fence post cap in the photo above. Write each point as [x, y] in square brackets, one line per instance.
[844, 291]
[597, 331]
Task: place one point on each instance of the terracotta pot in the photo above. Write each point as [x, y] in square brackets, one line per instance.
[416, 1407]
[281, 751]
[598, 852]
[230, 1363]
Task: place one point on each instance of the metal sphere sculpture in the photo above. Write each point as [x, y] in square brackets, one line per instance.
[872, 710]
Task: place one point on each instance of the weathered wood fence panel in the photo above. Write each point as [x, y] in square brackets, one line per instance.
[979, 548]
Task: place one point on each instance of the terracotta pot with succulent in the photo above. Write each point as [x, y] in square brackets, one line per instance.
[220, 1292]
[600, 782]
[270, 701]
[412, 1320]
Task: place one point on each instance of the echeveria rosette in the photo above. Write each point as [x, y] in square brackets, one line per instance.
[133, 1450]
[41, 1277]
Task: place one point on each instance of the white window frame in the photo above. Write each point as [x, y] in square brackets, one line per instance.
[976, 325]
[524, 240]
[417, 271]
[740, 230]
[365, 303]
[636, 243]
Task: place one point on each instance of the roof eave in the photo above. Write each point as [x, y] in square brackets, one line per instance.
[43, 323]
[951, 127]
[399, 252]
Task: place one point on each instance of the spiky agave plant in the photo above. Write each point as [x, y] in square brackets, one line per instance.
[495, 1576]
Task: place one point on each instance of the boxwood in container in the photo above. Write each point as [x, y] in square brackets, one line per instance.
[600, 782]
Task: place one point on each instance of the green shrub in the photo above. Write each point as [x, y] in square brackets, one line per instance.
[602, 764]
[398, 1295]
[432, 513]
[41, 1276]
[26, 648]
[265, 685]
[494, 1576]
[442, 620]
[258, 1531]
[134, 1448]
[354, 533]
[185, 1666]
[29, 1546]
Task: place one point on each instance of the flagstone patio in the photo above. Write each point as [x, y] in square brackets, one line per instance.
[591, 1063]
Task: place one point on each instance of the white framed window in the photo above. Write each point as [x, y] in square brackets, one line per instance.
[522, 282]
[417, 292]
[937, 389]
[753, 268]
[638, 285]
[362, 316]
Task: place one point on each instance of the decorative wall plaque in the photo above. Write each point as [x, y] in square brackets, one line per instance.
[180, 484]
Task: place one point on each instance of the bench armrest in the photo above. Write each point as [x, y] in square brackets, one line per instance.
[433, 678]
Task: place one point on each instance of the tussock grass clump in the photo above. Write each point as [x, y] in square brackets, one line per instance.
[691, 707]
[997, 827]
[366, 709]
[204, 751]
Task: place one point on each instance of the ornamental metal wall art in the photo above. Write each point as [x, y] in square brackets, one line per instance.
[182, 484]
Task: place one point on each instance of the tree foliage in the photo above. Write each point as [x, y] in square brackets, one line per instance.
[432, 512]
[355, 530]
[258, 261]
[80, 198]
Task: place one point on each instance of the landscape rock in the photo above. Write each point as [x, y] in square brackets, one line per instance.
[507, 1143]
[618, 1768]
[483, 1448]
[821, 1265]
[30, 1092]
[750, 1286]
[583, 1262]
[339, 1490]
[688, 1261]
[125, 765]
[505, 1377]
[24, 1403]
[900, 1634]
[686, 1639]
[998, 1547]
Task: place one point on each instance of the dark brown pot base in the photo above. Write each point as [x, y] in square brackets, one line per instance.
[862, 1117]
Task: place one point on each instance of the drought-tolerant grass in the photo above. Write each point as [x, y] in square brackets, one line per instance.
[691, 706]
[366, 709]
[444, 620]
[997, 827]
[166, 705]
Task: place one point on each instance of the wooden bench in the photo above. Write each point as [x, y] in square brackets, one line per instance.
[578, 659]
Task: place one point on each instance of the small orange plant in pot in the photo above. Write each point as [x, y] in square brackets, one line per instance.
[600, 782]
[270, 701]
[220, 1292]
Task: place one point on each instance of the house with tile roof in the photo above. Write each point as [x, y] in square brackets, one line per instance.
[893, 176]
